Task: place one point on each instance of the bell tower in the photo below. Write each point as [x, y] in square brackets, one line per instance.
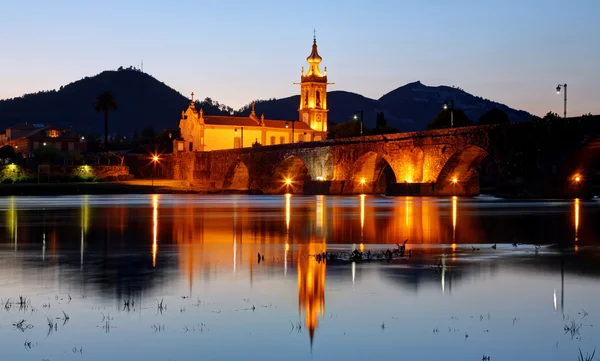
[313, 93]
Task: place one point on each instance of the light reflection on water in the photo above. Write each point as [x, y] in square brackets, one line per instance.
[199, 254]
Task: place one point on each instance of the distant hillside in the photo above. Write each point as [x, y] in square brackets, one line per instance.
[144, 101]
[414, 105]
[410, 107]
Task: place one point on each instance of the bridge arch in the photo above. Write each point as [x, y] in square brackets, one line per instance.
[290, 175]
[459, 175]
[371, 173]
[237, 177]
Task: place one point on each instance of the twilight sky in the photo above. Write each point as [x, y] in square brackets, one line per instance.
[514, 52]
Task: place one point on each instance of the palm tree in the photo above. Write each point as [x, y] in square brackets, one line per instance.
[105, 102]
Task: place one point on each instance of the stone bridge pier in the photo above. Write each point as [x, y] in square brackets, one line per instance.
[438, 162]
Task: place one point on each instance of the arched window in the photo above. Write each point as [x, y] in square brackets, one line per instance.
[318, 99]
[306, 98]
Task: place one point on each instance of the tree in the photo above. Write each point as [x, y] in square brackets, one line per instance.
[105, 102]
[494, 116]
[8, 155]
[347, 129]
[380, 122]
[442, 120]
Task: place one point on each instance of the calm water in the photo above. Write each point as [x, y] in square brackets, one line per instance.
[98, 269]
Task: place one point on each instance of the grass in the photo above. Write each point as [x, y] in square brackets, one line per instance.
[587, 356]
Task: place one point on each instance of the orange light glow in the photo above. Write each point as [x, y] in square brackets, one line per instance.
[454, 180]
[576, 219]
[154, 228]
[288, 181]
[361, 247]
[454, 214]
[577, 179]
[288, 212]
[408, 180]
[362, 214]
[363, 181]
[453, 246]
[311, 287]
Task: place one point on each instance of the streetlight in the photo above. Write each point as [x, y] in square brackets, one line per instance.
[558, 88]
[154, 161]
[242, 140]
[451, 111]
[355, 117]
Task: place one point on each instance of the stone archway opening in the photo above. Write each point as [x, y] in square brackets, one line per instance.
[370, 174]
[237, 178]
[460, 174]
[290, 175]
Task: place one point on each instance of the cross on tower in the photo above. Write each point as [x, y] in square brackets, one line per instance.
[315, 34]
[192, 96]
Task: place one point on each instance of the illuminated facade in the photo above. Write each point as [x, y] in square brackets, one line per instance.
[200, 132]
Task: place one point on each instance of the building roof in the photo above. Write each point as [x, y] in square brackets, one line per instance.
[251, 122]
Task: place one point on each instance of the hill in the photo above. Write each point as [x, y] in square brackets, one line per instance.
[144, 101]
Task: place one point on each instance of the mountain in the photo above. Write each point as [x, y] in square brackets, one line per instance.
[409, 107]
[414, 105]
[144, 101]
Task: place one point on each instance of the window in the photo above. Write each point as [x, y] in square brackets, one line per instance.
[53, 133]
[281, 140]
[180, 146]
[273, 140]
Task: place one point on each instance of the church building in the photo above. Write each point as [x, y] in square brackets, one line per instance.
[204, 132]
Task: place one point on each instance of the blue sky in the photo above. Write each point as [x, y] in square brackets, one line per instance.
[514, 52]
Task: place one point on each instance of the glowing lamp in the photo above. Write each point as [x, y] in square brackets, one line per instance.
[454, 180]
[155, 158]
[288, 181]
[558, 89]
[363, 181]
[408, 180]
[44, 144]
[445, 106]
[577, 178]
[355, 116]
[235, 131]
[319, 178]
[286, 125]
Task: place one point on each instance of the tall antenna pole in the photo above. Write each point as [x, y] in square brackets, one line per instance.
[142, 65]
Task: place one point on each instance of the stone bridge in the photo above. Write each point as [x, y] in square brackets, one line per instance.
[436, 162]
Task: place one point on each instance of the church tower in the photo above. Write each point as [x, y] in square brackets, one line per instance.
[313, 93]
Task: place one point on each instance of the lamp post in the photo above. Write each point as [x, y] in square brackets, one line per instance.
[154, 160]
[558, 88]
[355, 117]
[242, 139]
[451, 111]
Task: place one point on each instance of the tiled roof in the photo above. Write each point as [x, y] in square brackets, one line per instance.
[249, 122]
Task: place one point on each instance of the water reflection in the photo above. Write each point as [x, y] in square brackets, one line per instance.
[154, 228]
[311, 286]
[101, 247]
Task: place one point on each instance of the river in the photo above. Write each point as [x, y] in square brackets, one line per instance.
[178, 277]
